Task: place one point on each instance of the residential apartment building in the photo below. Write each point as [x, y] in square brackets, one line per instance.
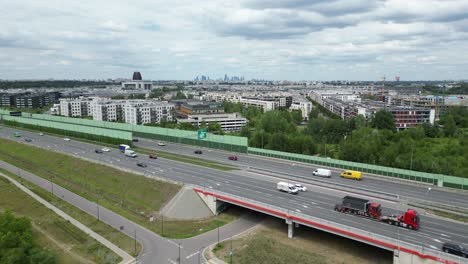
[140, 112]
[408, 117]
[28, 100]
[303, 105]
[108, 110]
[232, 122]
[76, 107]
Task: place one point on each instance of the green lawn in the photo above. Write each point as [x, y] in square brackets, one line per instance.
[52, 232]
[186, 159]
[113, 235]
[130, 195]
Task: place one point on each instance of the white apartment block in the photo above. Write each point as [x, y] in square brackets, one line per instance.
[265, 105]
[76, 107]
[229, 122]
[139, 112]
[108, 110]
[302, 105]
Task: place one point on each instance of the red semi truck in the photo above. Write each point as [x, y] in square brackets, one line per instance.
[366, 208]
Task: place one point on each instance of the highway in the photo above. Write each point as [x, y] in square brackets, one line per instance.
[316, 202]
[408, 192]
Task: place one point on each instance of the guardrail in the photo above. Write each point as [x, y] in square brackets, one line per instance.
[336, 228]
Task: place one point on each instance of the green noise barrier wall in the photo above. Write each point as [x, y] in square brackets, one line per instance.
[228, 143]
[72, 130]
[436, 179]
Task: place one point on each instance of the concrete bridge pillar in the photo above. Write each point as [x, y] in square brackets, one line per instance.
[290, 224]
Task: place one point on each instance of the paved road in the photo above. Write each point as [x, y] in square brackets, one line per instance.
[415, 192]
[318, 203]
[126, 258]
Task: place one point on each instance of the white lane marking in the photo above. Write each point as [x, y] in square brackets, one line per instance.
[297, 210]
[174, 243]
[444, 235]
[437, 240]
[218, 184]
[193, 254]
[434, 247]
[172, 261]
[305, 206]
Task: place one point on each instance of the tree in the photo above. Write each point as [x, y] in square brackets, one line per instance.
[449, 126]
[215, 127]
[186, 126]
[383, 120]
[16, 244]
[118, 97]
[180, 95]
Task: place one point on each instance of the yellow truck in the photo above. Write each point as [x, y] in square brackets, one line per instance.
[350, 174]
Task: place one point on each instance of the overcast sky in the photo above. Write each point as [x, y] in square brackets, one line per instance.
[264, 39]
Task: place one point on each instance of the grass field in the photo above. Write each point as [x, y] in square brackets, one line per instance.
[268, 244]
[113, 235]
[130, 195]
[187, 159]
[52, 232]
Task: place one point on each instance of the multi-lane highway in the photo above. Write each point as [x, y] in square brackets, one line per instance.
[295, 170]
[261, 188]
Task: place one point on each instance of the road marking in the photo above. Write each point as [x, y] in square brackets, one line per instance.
[434, 247]
[193, 254]
[174, 243]
[297, 210]
[444, 235]
[172, 261]
[305, 206]
[437, 240]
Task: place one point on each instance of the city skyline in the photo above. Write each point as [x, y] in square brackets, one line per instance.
[284, 40]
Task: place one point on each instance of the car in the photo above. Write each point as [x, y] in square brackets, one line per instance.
[161, 143]
[232, 157]
[41, 134]
[66, 139]
[135, 140]
[198, 151]
[143, 165]
[105, 149]
[455, 249]
[17, 134]
[300, 187]
[27, 139]
[99, 151]
[152, 156]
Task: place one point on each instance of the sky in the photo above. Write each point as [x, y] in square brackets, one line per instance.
[261, 39]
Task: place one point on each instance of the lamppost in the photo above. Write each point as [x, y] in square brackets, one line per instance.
[230, 253]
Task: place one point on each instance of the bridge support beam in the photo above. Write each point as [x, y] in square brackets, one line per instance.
[290, 224]
[400, 257]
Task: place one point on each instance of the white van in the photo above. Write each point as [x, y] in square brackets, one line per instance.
[130, 153]
[322, 173]
[286, 187]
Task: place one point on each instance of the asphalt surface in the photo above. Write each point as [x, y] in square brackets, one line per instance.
[300, 171]
[433, 231]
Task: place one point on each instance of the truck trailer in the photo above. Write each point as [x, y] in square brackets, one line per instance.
[366, 208]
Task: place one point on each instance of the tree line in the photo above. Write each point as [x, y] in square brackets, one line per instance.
[439, 148]
[52, 84]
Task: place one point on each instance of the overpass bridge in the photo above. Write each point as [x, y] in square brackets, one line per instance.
[403, 252]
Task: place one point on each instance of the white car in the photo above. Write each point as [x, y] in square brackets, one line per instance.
[66, 139]
[105, 149]
[161, 144]
[300, 187]
[41, 134]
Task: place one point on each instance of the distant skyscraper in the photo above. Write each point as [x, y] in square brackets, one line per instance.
[226, 77]
[137, 76]
[397, 78]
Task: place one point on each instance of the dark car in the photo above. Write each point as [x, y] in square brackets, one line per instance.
[139, 164]
[198, 151]
[27, 139]
[135, 140]
[98, 151]
[232, 158]
[152, 156]
[455, 249]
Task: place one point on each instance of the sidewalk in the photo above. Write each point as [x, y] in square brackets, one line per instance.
[126, 258]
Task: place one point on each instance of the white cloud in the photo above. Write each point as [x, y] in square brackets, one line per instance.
[284, 39]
